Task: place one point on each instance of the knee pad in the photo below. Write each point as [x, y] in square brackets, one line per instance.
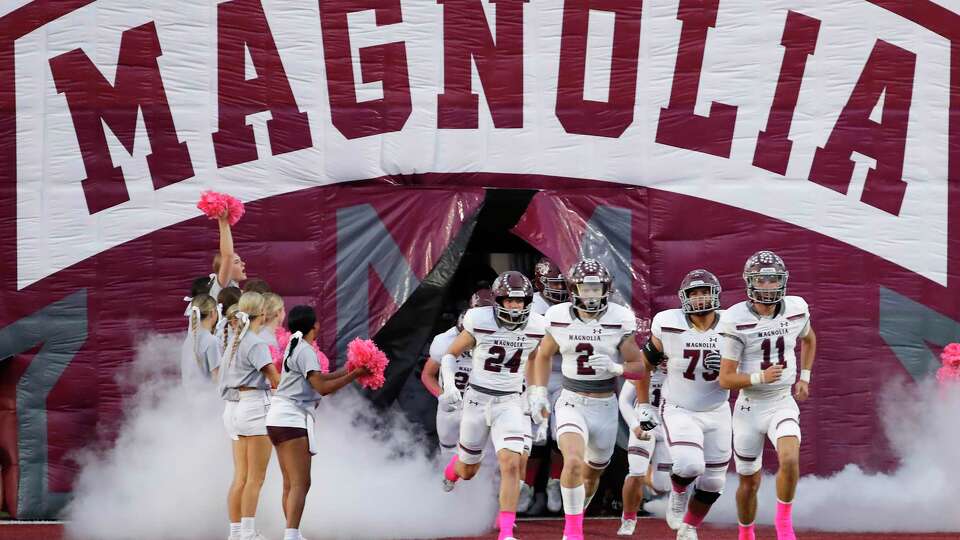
[712, 480]
[706, 497]
[687, 461]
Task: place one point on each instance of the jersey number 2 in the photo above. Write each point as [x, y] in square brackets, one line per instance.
[587, 351]
[766, 346]
[495, 362]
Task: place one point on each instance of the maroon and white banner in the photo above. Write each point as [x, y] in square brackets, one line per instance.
[829, 131]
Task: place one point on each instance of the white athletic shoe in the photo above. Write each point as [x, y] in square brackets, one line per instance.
[448, 485]
[526, 498]
[687, 532]
[676, 508]
[627, 526]
[255, 536]
[554, 499]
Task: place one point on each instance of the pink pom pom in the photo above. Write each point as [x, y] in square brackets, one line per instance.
[364, 353]
[951, 355]
[214, 204]
[283, 337]
[948, 375]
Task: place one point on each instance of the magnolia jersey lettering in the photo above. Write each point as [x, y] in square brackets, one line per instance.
[578, 339]
[688, 383]
[500, 355]
[758, 342]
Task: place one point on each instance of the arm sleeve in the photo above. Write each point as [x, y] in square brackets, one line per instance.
[260, 356]
[628, 397]
[307, 360]
[731, 344]
[438, 348]
[212, 355]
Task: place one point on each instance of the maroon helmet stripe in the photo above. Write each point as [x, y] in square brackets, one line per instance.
[671, 330]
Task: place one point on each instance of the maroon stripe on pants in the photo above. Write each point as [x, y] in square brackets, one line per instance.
[570, 424]
[636, 450]
[666, 430]
[786, 420]
[744, 458]
[470, 450]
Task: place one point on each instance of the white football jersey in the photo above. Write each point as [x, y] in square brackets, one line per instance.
[439, 347]
[578, 339]
[657, 380]
[688, 384]
[758, 342]
[500, 355]
[540, 305]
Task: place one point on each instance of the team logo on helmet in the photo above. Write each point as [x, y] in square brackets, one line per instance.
[512, 285]
[766, 277]
[481, 298]
[549, 280]
[699, 303]
[589, 283]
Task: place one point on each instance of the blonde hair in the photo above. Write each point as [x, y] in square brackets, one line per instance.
[201, 307]
[250, 303]
[272, 306]
[229, 315]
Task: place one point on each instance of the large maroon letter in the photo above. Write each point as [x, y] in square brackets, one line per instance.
[588, 117]
[889, 72]
[467, 37]
[93, 101]
[678, 125]
[773, 143]
[243, 24]
[386, 63]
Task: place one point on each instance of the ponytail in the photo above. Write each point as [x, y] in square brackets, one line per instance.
[292, 345]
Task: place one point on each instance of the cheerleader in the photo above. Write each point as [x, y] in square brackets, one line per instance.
[227, 308]
[200, 285]
[228, 268]
[200, 355]
[273, 315]
[248, 375]
[290, 422]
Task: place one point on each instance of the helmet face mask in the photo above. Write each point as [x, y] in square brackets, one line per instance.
[699, 292]
[590, 284]
[549, 281]
[512, 285]
[765, 275]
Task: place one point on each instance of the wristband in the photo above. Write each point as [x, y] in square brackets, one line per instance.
[756, 378]
[805, 375]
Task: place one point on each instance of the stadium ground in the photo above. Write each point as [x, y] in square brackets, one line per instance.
[538, 529]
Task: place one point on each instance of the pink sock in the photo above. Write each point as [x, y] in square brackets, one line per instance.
[746, 532]
[629, 515]
[505, 522]
[573, 527]
[450, 473]
[784, 521]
